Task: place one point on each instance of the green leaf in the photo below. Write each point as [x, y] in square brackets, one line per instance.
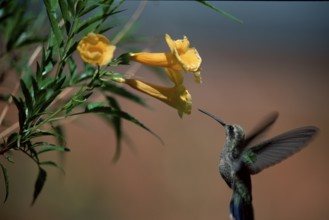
[35, 87]
[16, 27]
[25, 39]
[12, 138]
[51, 163]
[80, 6]
[40, 133]
[60, 138]
[113, 10]
[48, 62]
[51, 11]
[21, 111]
[123, 59]
[65, 12]
[27, 147]
[87, 10]
[6, 178]
[87, 73]
[113, 88]
[49, 89]
[40, 143]
[93, 20]
[73, 71]
[28, 97]
[71, 7]
[9, 158]
[41, 179]
[111, 111]
[107, 28]
[93, 105]
[117, 125]
[71, 49]
[228, 15]
[52, 148]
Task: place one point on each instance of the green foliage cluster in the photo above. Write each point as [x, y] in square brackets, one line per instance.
[40, 106]
[56, 87]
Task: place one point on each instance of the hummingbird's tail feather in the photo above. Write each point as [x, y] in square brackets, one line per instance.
[241, 200]
[240, 210]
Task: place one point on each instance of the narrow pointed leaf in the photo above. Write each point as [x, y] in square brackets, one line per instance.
[90, 21]
[88, 9]
[117, 125]
[60, 138]
[65, 12]
[80, 6]
[9, 158]
[109, 110]
[73, 70]
[71, 7]
[93, 105]
[27, 96]
[6, 178]
[93, 20]
[228, 15]
[104, 29]
[52, 148]
[39, 184]
[41, 133]
[110, 87]
[71, 49]
[12, 138]
[21, 111]
[52, 164]
[51, 9]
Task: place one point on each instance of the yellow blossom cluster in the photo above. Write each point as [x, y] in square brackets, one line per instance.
[97, 50]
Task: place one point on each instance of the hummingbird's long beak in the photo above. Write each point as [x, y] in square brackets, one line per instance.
[213, 116]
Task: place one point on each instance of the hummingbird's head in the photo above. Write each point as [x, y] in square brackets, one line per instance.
[234, 133]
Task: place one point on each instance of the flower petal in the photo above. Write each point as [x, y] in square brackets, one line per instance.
[181, 57]
[187, 58]
[96, 49]
[152, 59]
[190, 60]
[177, 97]
[175, 76]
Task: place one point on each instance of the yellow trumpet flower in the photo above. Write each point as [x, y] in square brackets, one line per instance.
[181, 57]
[96, 49]
[177, 96]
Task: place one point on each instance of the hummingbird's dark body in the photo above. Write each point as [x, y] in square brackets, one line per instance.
[237, 161]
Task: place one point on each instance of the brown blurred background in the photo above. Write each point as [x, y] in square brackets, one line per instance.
[277, 60]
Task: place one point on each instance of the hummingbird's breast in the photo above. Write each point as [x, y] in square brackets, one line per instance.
[226, 168]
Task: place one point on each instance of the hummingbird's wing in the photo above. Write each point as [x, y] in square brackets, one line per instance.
[275, 150]
[262, 127]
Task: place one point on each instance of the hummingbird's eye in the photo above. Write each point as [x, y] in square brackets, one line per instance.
[231, 130]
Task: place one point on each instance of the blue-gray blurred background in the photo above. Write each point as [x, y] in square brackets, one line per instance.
[278, 59]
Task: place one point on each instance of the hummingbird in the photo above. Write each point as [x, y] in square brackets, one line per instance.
[238, 161]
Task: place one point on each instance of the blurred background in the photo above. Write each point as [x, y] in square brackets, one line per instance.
[278, 59]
